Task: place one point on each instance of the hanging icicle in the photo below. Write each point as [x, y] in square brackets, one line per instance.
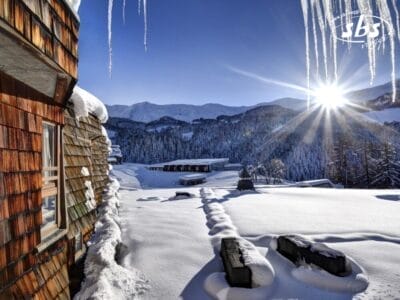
[323, 15]
[110, 9]
[328, 8]
[145, 23]
[315, 38]
[385, 13]
[396, 11]
[123, 10]
[321, 22]
[109, 26]
[304, 6]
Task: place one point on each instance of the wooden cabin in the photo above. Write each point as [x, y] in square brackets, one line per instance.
[53, 167]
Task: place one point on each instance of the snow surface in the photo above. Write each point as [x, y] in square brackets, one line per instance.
[85, 103]
[104, 277]
[386, 115]
[175, 243]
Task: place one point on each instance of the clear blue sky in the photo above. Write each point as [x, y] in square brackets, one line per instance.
[192, 46]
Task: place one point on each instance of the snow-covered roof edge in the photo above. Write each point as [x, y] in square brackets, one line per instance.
[86, 103]
[74, 7]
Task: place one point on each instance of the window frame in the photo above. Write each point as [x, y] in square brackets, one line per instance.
[54, 189]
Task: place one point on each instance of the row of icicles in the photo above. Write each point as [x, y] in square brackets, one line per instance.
[142, 7]
[323, 19]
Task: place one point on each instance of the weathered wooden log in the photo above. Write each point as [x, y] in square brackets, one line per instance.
[297, 249]
[237, 273]
[326, 258]
[183, 194]
[293, 247]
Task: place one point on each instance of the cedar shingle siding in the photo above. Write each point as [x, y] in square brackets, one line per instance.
[84, 146]
[48, 25]
[23, 271]
[32, 265]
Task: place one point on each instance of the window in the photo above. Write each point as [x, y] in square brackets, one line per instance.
[50, 188]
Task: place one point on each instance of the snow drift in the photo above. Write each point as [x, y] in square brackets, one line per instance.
[221, 226]
[104, 277]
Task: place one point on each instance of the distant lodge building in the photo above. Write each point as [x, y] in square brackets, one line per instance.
[192, 179]
[53, 166]
[191, 165]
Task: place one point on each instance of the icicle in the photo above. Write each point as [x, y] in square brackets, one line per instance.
[366, 11]
[110, 8]
[385, 14]
[348, 9]
[321, 22]
[145, 23]
[139, 7]
[304, 6]
[315, 35]
[396, 11]
[340, 12]
[328, 9]
[123, 10]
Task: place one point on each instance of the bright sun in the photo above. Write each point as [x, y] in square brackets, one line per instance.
[329, 96]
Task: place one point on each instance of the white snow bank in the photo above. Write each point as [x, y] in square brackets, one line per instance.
[221, 226]
[261, 270]
[105, 278]
[354, 283]
[217, 287]
[85, 103]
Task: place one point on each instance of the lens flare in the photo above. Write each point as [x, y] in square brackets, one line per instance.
[330, 96]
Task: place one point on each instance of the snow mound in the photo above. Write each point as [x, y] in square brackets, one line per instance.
[354, 283]
[85, 103]
[104, 277]
[217, 286]
[261, 270]
[221, 226]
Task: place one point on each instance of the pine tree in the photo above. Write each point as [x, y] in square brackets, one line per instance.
[387, 168]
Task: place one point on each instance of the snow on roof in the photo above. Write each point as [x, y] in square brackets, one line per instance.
[74, 6]
[85, 103]
[315, 182]
[204, 161]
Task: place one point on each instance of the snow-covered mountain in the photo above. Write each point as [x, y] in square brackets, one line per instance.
[292, 103]
[235, 136]
[374, 92]
[300, 139]
[147, 112]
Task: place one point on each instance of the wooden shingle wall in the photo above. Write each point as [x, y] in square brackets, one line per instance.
[49, 25]
[84, 147]
[23, 271]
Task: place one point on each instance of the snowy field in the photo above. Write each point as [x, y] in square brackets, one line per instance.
[174, 242]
